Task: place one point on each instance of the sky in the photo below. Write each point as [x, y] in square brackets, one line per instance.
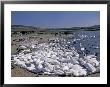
[55, 19]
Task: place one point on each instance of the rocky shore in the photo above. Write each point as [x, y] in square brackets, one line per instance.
[20, 72]
[51, 56]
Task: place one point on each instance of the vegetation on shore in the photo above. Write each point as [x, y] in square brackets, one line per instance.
[31, 29]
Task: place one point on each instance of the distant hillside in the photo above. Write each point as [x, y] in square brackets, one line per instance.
[23, 28]
[32, 28]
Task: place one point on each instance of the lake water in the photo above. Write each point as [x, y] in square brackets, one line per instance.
[89, 41]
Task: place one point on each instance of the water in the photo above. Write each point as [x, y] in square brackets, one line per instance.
[89, 41]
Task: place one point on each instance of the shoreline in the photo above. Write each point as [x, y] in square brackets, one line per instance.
[20, 72]
[17, 41]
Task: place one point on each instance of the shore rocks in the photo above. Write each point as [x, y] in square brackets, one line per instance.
[55, 58]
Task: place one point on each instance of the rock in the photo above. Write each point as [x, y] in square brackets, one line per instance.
[26, 51]
[81, 61]
[79, 70]
[40, 66]
[65, 68]
[90, 67]
[92, 60]
[27, 64]
[32, 67]
[75, 72]
[59, 72]
[55, 58]
[23, 47]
